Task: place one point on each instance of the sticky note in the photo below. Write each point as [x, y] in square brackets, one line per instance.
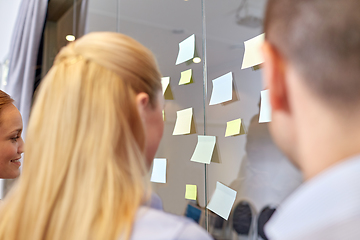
[163, 113]
[234, 128]
[186, 77]
[252, 55]
[204, 149]
[222, 89]
[158, 174]
[265, 107]
[222, 200]
[166, 89]
[184, 122]
[186, 50]
[165, 81]
[191, 192]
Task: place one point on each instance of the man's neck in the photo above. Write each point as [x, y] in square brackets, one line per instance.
[326, 140]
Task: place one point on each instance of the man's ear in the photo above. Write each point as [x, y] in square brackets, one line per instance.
[275, 77]
[142, 103]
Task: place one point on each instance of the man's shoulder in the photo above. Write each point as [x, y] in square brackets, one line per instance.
[347, 228]
[334, 229]
[155, 224]
[329, 203]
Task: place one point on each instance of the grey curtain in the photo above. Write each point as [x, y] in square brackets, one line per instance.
[23, 54]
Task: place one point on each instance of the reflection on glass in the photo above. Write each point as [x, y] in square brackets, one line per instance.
[251, 164]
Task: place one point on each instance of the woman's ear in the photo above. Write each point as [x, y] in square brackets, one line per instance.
[142, 103]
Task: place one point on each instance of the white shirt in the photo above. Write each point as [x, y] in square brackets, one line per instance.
[153, 224]
[326, 207]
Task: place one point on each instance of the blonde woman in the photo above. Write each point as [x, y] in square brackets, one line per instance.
[11, 143]
[93, 132]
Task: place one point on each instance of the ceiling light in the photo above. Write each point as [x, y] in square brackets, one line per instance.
[196, 59]
[70, 38]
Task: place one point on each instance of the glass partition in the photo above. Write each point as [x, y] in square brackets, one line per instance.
[248, 163]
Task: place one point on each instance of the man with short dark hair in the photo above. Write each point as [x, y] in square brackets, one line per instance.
[312, 69]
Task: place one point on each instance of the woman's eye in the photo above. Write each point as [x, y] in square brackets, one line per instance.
[14, 139]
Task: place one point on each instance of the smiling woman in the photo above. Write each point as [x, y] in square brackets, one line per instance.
[11, 143]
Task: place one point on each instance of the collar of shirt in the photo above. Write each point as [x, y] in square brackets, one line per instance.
[330, 197]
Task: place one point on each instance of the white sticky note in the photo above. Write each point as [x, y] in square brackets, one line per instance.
[165, 81]
[252, 55]
[265, 107]
[204, 149]
[222, 89]
[183, 122]
[222, 200]
[186, 50]
[158, 174]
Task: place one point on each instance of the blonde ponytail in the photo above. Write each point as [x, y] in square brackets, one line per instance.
[83, 174]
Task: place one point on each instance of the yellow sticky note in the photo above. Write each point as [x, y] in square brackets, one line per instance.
[204, 149]
[163, 113]
[252, 55]
[191, 192]
[184, 122]
[166, 89]
[234, 128]
[186, 77]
